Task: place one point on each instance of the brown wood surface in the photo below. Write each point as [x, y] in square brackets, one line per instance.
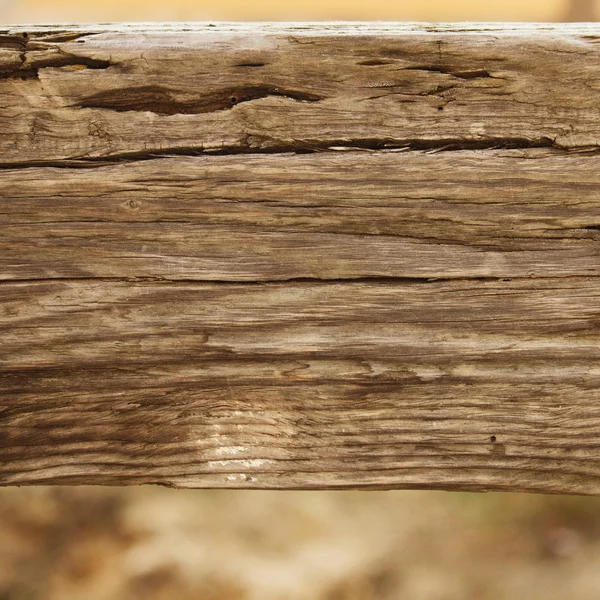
[301, 256]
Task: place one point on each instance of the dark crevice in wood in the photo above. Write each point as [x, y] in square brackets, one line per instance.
[374, 279]
[13, 42]
[251, 64]
[20, 74]
[61, 36]
[256, 145]
[32, 70]
[163, 101]
[373, 62]
[460, 73]
[474, 74]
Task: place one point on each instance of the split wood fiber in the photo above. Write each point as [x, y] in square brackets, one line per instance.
[301, 256]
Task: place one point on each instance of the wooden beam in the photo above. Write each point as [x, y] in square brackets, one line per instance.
[301, 256]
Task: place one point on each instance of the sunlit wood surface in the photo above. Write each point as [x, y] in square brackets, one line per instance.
[291, 256]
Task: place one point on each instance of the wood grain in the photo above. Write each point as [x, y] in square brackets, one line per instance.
[301, 256]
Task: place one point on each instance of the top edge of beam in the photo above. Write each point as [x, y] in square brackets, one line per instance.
[379, 28]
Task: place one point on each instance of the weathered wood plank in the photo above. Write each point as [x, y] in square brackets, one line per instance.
[301, 256]
[119, 93]
[362, 383]
[337, 215]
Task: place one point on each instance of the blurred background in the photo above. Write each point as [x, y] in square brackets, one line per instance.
[156, 544]
[43, 11]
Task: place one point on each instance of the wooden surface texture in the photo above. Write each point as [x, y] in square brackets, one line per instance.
[301, 256]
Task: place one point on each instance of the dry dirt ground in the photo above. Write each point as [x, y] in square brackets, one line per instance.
[154, 544]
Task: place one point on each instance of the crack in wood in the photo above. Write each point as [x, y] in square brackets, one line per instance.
[459, 73]
[259, 145]
[251, 64]
[31, 70]
[61, 36]
[163, 101]
[374, 62]
[375, 280]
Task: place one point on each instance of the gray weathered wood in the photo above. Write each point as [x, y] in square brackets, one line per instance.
[301, 256]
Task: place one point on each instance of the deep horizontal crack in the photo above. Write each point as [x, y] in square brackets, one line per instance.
[256, 145]
[163, 101]
[373, 279]
[64, 59]
[251, 64]
[460, 73]
[373, 62]
[61, 36]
